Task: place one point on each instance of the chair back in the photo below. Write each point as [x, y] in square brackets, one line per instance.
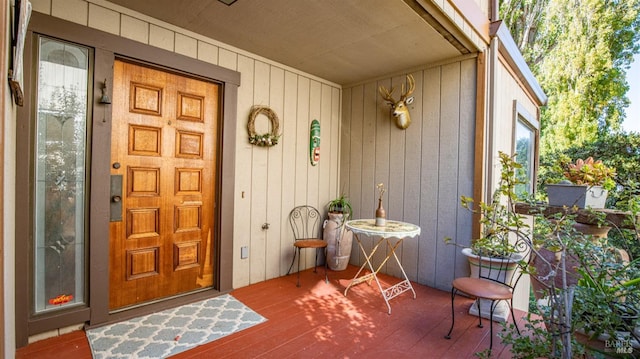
[507, 271]
[305, 222]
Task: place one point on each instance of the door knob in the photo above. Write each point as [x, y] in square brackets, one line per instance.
[116, 199]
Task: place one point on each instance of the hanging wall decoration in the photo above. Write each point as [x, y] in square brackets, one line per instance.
[314, 142]
[267, 139]
[400, 108]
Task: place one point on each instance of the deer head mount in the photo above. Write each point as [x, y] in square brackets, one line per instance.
[399, 108]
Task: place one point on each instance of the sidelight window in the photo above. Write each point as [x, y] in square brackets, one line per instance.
[61, 143]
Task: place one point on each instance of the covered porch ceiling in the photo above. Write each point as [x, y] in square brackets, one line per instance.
[345, 42]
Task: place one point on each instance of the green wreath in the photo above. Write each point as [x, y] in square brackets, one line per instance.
[266, 139]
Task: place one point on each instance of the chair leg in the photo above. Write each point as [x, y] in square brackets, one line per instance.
[315, 264]
[298, 284]
[479, 314]
[293, 261]
[326, 276]
[453, 313]
[493, 307]
[513, 316]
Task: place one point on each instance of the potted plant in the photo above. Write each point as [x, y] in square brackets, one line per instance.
[500, 224]
[587, 184]
[338, 239]
[501, 235]
[340, 205]
[606, 302]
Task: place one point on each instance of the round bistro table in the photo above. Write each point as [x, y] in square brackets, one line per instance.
[393, 233]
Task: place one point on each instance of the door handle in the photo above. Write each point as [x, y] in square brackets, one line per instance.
[115, 210]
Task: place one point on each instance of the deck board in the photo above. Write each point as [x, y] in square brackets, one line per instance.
[318, 321]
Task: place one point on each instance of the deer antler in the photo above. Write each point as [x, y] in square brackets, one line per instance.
[386, 94]
[412, 86]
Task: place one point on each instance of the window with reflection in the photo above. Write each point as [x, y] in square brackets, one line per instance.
[60, 171]
[525, 141]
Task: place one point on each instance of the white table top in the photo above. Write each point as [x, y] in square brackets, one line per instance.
[393, 229]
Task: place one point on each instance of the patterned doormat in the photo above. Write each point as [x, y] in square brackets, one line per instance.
[166, 333]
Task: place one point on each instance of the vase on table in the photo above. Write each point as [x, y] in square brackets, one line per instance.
[381, 215]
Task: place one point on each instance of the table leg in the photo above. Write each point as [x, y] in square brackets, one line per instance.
[368, 277]
[394, 290]
[403, 286]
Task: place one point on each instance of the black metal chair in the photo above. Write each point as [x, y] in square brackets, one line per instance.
[306, 223]
[493, 284]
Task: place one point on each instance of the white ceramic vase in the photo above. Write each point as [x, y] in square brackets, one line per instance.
[339, 241]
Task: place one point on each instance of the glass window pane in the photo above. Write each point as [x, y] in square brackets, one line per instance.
[61, 143]
[525, 142]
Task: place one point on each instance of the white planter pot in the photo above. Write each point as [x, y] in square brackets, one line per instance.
[576, 195]
[503, 273]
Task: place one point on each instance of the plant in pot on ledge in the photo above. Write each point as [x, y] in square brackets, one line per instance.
[587, 184]
[503, 241]
[338, 239]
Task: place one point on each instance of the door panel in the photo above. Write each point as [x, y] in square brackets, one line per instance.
[164, 141]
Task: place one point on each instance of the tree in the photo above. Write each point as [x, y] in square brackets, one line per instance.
[524, 18]
[580, 51]
[620, 151]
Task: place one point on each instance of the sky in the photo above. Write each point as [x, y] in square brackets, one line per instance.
[632, 121]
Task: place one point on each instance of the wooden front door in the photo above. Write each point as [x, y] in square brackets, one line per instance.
[163, 151]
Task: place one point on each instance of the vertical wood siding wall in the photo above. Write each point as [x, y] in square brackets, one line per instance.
[276, 179]
[508, 91]
[504, 126]
[425, 168]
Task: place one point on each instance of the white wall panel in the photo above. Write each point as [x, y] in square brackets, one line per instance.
[242, 208]
[326, 146]
[259, 184]
[313, 183]
[354, 187]
[72, 10]
[332, 141]
[274, 180]
[288, 143]
[104, 19]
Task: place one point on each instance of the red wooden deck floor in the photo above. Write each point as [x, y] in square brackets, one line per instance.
[318, 321]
